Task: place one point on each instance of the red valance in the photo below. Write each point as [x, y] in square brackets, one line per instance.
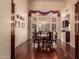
[43, 13]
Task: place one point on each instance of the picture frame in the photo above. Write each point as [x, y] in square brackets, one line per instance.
[17, 24]
[22, 25]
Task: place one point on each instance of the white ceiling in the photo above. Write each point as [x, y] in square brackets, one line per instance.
[47, 0]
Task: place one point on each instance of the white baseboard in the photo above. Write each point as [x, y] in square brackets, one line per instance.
[5, 57]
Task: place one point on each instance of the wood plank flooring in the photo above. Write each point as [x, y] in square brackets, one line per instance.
[26, 51]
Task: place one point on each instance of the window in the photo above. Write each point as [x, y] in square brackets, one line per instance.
[34, 19]
[53, 19]
[34, 27]
[53, 27]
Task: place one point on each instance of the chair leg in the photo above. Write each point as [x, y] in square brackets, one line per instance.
[43, 45]
[50, 46]
[34, 44]
[38, 44]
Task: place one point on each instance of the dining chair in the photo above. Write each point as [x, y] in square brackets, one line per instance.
[49, 40]
[36, 39]
[55, 40]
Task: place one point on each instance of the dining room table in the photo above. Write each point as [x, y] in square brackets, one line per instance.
[45, 40]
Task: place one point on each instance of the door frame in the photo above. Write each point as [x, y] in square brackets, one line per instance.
[12, 29]
[77, 31]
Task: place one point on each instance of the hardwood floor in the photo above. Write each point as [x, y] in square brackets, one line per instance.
[36, 54]
[26, 51]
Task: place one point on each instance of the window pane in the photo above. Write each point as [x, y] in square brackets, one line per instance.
[53, 19]
[34, 27]
[53, 27]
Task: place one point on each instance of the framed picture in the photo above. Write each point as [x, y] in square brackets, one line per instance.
[44, 27]
[17, 16]
[22, 25]
[17, 24]
[20, 17]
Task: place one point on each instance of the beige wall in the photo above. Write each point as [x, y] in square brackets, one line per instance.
[46, 5]
[70, 9]
[5, 26]
[21, 34]
[5, 29]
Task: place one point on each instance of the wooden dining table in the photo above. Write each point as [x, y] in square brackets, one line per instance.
[45, 39]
